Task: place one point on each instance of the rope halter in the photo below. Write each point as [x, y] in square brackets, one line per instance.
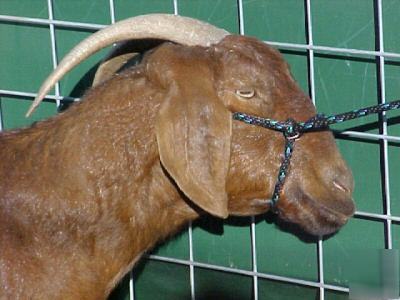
[292, 130]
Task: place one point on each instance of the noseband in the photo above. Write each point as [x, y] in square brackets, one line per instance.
[292, 130]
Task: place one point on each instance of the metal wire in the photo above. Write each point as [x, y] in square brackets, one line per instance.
[191, 259]
[1, 116]
[53, 49]
[249, 273]
[311, 76]
[293, 46]
[253, 223]
[382, 95]
[47, 22]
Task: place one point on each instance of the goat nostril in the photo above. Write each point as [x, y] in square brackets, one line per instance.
[341, 180]
[343, 184]
[340, 186]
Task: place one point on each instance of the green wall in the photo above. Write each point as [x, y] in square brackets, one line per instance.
[342, 82]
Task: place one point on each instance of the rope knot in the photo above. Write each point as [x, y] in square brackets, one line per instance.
[292, 129]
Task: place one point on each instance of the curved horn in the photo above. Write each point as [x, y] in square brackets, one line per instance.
[174, 28]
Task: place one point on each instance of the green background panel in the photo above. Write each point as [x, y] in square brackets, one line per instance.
[228, 245]
[335, 295]
[298, 62]
[391, 33]
[160, 280]
[284, 254]
[127, 8]
[343, 23]
[211, 284]
[24, 8]
[92, 11]
[275, 290]
[396, 235]
[221, 13]
[343, 83]
[268, 20]
[358, 234]
[25, 56]
[14, 110]
[392, 76]
[394, 167]
[362, 157]
[177, 247]
[392, 83]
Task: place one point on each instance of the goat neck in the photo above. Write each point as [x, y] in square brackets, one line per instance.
[87, 228]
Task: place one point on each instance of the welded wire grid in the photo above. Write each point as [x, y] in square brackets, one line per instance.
[311, 48]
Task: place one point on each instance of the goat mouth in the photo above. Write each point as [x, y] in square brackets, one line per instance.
[314, 216]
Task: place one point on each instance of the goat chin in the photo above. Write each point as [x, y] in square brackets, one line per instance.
[85, 193]
[312, 215]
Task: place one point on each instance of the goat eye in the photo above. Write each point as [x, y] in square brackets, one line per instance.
[245, 93]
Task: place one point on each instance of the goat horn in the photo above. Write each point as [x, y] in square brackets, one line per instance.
[178, 29]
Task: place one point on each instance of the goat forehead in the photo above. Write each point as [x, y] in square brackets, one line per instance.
[241, 64]
[252, 51]
[260, 68]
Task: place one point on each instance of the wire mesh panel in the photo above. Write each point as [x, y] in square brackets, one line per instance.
[345, 54]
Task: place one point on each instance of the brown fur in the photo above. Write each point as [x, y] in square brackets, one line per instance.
[83, 194]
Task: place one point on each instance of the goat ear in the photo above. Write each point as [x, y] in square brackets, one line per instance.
[194, 134]
[111, 66]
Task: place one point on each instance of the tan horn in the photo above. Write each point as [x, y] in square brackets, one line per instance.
[174, 28]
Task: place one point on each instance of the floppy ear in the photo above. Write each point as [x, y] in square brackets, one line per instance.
[193, 131]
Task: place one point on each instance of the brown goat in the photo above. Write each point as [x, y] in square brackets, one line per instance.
[85, 193]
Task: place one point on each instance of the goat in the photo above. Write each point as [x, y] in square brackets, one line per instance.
[85, 193]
